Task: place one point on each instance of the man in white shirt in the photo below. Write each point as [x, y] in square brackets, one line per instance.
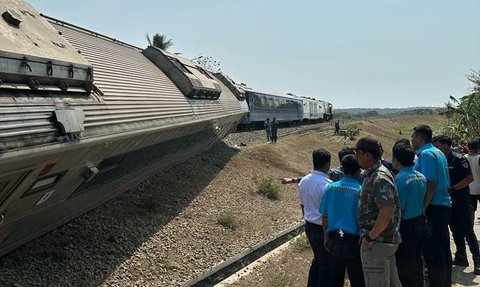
[474, 159]
[311, 189]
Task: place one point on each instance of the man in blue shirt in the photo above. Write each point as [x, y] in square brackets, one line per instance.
[411, 187]
[432, 163]
[339, 210]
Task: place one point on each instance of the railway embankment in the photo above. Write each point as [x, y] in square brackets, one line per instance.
[180, 223]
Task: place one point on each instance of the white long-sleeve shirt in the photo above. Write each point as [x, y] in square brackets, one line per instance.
[312, 187]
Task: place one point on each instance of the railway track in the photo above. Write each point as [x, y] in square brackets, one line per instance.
[229, 267]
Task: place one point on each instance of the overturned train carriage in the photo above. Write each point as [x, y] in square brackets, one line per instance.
[83, 117]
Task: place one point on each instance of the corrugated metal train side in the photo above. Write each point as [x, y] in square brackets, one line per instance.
[136, 124]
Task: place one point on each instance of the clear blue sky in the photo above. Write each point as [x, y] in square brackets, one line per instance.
[371, 53]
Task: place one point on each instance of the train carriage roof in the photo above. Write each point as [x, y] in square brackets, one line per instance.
[265, 92]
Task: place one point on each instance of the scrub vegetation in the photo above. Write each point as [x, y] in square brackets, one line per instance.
[268, 187]
[228, 220]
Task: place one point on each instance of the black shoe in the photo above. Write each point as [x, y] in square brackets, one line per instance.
[461, 261]
[476, 268]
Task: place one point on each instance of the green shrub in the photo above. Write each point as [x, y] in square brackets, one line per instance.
[228, 220]
[269, 187]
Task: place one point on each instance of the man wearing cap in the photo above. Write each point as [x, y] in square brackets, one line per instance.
[460, 222]
[379, 217]
[432, 163]
[311, 189]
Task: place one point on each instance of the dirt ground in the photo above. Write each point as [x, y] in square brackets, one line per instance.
[290, 267]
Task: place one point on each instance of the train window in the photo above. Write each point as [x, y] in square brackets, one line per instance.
[264, 103]
[256, 101]
[271, 104]
[44, 183]
[277, 104]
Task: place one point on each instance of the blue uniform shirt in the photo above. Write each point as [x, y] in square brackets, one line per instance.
[340, 205]
[411, 187]
[432, 163]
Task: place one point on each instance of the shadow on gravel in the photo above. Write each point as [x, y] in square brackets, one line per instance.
[85, 251]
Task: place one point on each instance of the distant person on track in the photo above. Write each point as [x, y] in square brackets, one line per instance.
[311, 189]
[337, 127]
[379, 217]
[339, 209]
[473, 158]
[411, 187]
[432, 163]
[268, 129]
[460, 223]
[274, 125]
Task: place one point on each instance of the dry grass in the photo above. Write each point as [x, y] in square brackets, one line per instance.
[228, 220]
[301, 244]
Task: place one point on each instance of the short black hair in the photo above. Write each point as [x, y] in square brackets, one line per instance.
[370, 145]
[403, 141]
[425, 132]
[321, 157]
[350, 165]
[404, 154]
[345, 151]
[443, 139]
[473, 144]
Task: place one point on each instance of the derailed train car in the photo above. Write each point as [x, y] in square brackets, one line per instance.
[83, 117]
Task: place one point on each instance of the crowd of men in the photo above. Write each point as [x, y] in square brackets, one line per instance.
[384, 221]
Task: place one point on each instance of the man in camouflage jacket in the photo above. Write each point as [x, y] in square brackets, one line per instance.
[379, 217]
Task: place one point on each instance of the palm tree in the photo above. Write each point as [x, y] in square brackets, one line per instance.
[160, 41]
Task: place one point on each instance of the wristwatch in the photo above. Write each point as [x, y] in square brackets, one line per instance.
[368, 238]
